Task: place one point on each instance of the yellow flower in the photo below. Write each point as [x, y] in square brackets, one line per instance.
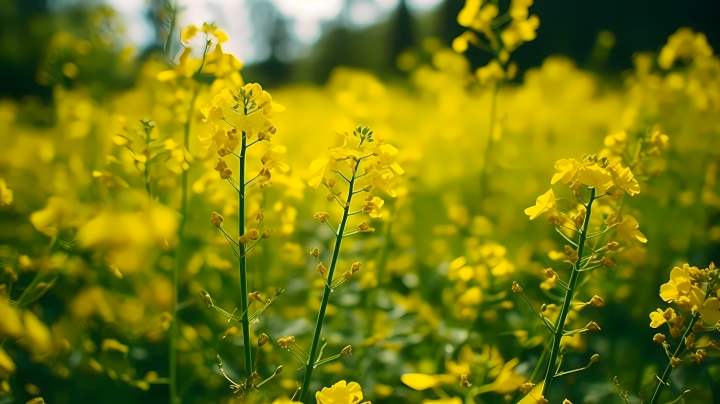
[623, 178]
[657, 319]
[566, 170]
[7, 365]
[6, 195]
[616, 139]
[710, 310]
[628, 230]
[679, 284]
[596, 177]
[419, 381]
[340, 393]
[319, 169]
[188, 33]
[544, 203]
[373, 205]
[272, 158]
[493, 71]
[387, 154]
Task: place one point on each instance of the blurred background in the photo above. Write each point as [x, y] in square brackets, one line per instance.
[89, 232]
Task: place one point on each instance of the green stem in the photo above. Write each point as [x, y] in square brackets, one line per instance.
[680, 349]
[244, 302]
[326, 294]
[488, 146]
[174, 330]
[560, 324]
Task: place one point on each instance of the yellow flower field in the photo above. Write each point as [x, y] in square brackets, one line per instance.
[173, 229]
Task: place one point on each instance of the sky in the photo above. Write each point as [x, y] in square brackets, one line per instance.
[250, 23]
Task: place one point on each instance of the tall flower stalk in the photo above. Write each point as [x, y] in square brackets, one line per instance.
[600, 177]
[249, 111]
[377, 159]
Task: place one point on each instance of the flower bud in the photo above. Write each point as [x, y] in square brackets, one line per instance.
[347, 351]
[243, 239]
[321, 216]
[263, 339]
[278, 370]
[464, 381]
[572, 255]
[659, 338]
[690, 341]
[612, 245]
[347, 275]
[253, 234]
[675, 362]
[205, 297]
[594, 358]
[526, 387]
[331, 182]
[321, 268]
[549, 273]
[355, 267]
[267, 234]
[315, 252]
[364, 227]
[516, 288]
[219, 361]
[592, 326]
[597, 301]
[254, 296]
[329, 197]
[260, 216]
[216, 219]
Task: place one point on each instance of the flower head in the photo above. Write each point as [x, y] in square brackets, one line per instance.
[340, 393]
[544, 203]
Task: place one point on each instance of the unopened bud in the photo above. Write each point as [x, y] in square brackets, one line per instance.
[331, 182]
[594, 358]
[346, 351]
[254, 296]
[597, 301]
[355, 267]
[219, 361]
[253, 234]
[263, 339]
[315, 252]
[267, 234]
[516, 288]
[659, 338]
[592, 326]
[216, 219]
[464, 381]
[278, 370]
[329, 197]
[675, 362]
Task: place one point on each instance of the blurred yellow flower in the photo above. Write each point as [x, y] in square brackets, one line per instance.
[6, 195]
[419, 381]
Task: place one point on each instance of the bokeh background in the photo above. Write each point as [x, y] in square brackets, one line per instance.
[90, 259]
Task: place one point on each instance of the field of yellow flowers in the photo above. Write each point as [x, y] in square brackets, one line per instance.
[172, 231]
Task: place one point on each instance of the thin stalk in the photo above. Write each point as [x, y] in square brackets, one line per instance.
[244, 303]
[680, 349]
[174, 330]
[560, 324]
[488, 146]
[305, 388]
